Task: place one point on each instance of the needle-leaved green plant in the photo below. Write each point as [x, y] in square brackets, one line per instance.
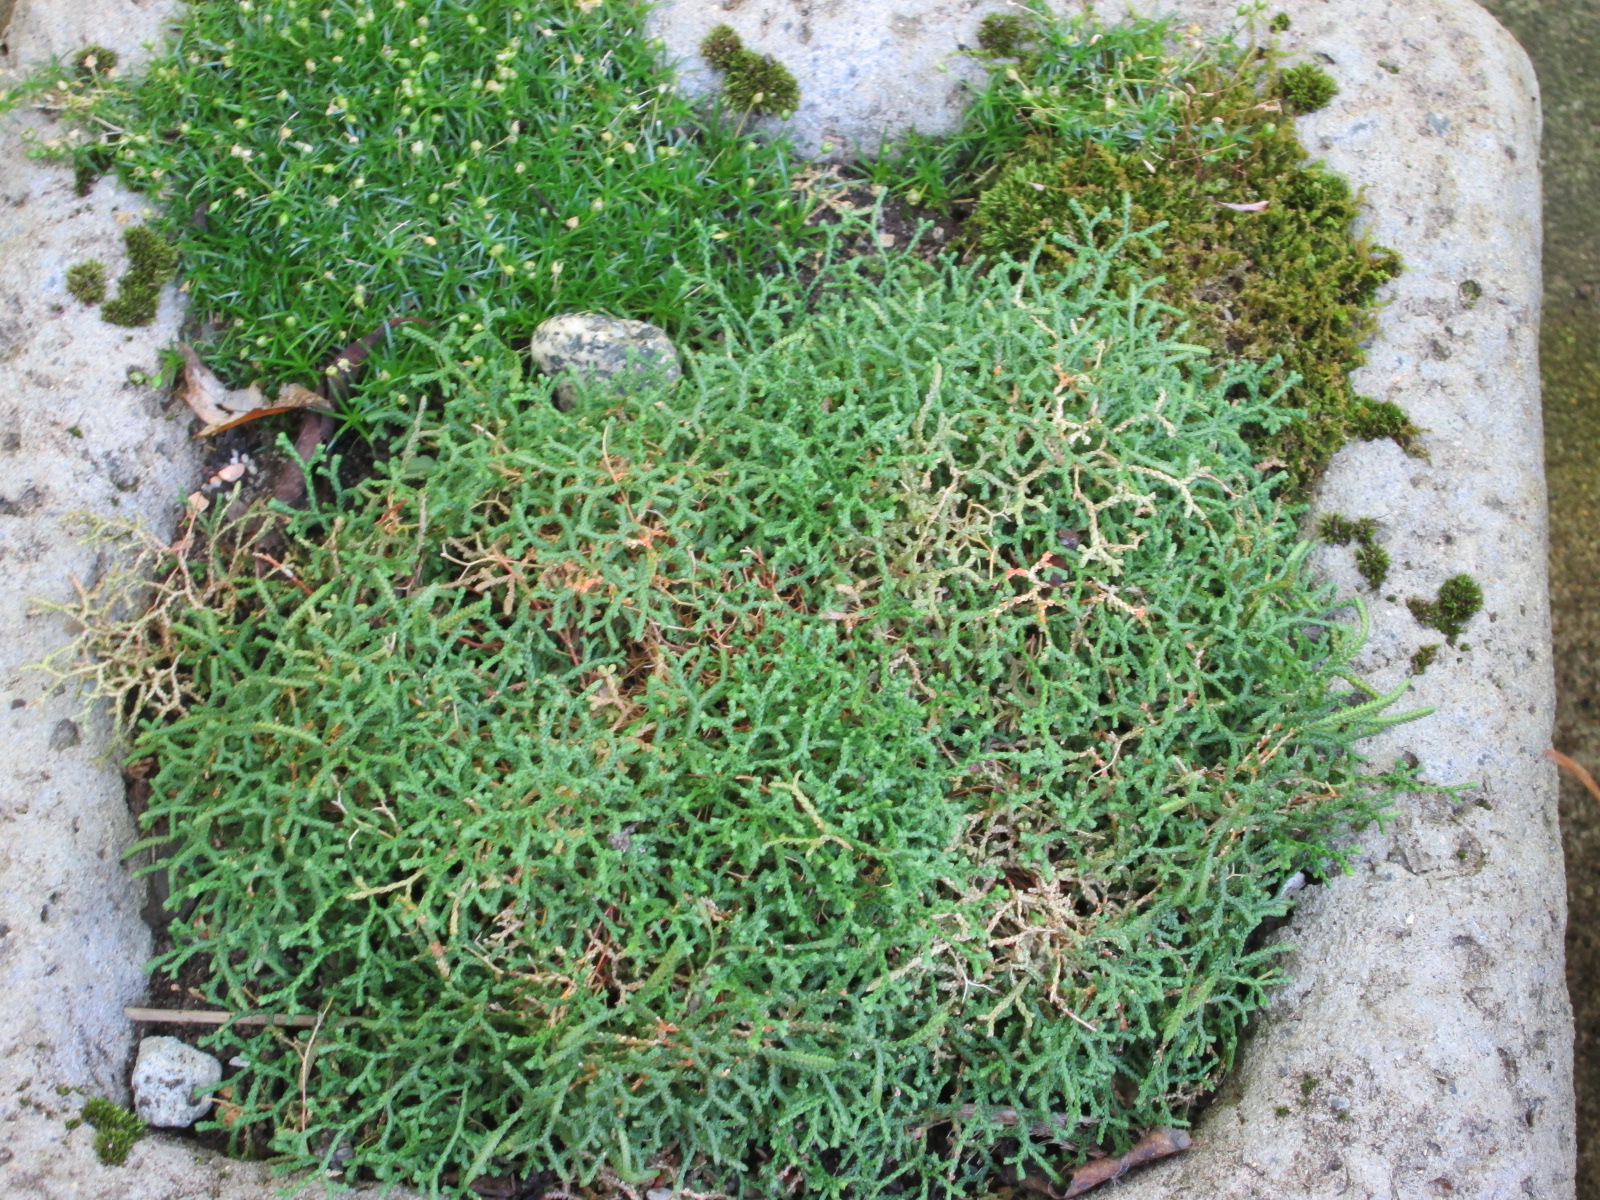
[855, 770]
[327, 164]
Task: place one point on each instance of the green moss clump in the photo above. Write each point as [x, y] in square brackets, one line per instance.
[88, 164]
[1372, 560]
[753, 83]
[87, 281]
[93, 62]
[1096, 117]
[1372, 420]
[1279, 23]
[116, 1130]
[1373, 563]
[722, 48]
[1423, 658]
[152, 263]
[1004, 35]
[1471, 292]
[1306, 88]
[1341, 531]
[1460, 598]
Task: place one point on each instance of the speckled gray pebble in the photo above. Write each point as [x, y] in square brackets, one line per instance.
[166, 1079]
[602, 349]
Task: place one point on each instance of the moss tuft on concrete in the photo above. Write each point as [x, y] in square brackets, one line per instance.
[1258, 251]
[1003, 34]
[1460, 597]
[87, 281]
[94, 61]
[1372, 560]
[1306, 88]
[753, 83]
[152, 263]
[116, 1130]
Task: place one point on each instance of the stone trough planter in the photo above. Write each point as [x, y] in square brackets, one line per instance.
[1423, 1044]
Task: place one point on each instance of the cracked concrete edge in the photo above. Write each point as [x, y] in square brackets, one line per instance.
[1425, 996]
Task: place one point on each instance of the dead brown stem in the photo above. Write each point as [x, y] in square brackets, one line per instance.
[1158, 1143]
[1572, 765]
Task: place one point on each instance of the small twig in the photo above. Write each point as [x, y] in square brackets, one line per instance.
[1158, 1143]
[288, 574]
[1577, 769]
[197, 1016]
[305, 1066]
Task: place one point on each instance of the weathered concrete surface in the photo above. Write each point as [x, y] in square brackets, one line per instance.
[75, 435]
[1426, 997]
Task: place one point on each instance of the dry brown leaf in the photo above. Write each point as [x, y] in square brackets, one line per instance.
[204, 393]
[291, 396]
[1253, 206]
[221, 408]
[1158, 1143]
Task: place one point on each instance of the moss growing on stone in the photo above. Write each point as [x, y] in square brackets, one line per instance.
[1373, 563]
[1280, 23]
[88, 164]
[722, 48]
[1423, 658]
[1373, 420]
[116, 1130]
[1306, 88]
[1258, 250]
[1341, 530]
[1372, 560]
[1004, 35]
[152, 262]
[87, 281]
[753, 83]
[93, 62]
[1458, 601]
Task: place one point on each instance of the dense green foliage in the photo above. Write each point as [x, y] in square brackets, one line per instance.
[858, 769]
[326, 164]
[911, 714]
[1076, 115]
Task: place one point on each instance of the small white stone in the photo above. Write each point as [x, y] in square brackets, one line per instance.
[165, 1080]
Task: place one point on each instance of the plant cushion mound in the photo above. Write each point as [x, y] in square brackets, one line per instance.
[858, 765]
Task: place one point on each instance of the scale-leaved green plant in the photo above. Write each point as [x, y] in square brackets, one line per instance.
[857, 768]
